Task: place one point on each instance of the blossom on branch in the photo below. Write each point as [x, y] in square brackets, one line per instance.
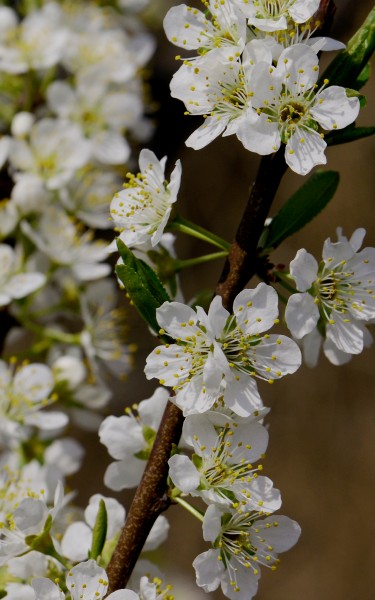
[242, 543]
[336, 299]
[222, 469]
[291, 111]
[217, 356]
[141, 211]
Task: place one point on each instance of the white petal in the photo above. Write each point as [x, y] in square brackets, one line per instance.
[261, 136]
[183, 473]
[206, 133]
[45, 589]
[208, 570]
[177, 319]
[242, 396]
[304, 151]
[345, 333]
[311, 344]
[301, 314]
[76, 542]
[281, 537]
[304, 270]
[34, 381]
[256, 310]
[186, 28]
[124, 474]
[334, 355]
[333, 109]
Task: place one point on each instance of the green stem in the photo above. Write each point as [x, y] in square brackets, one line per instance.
[282, 279]
[53, 334]
[194, 511]
[185, 226]
[199, 260]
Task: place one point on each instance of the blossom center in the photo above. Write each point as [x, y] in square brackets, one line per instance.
[271, 8]
[292, 112]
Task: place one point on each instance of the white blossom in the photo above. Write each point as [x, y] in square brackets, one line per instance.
[291, 111]
[36, 43]
[336, 297]
[222, 468]
[23, 394]
[25, 518]
[191, 29]
[219, 89]
[62, 240]
[242, 543]
[56, 149]
[14, 283]
[129, 439]
[85, 581]
[141, 211]
[104, 333]
[217, 356]
[101, 112]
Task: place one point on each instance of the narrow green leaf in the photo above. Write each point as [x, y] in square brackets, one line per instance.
[348, 66]
[99, 531]
[302, 207]
[349, 134]
[363, 77]
[142, 284]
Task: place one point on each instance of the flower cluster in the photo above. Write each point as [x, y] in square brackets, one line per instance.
[255, 75]
[335, 299]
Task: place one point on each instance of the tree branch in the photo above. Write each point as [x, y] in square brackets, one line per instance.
[149, 501]
[241, 262]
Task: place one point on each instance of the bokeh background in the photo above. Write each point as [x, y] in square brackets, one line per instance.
[322, 424]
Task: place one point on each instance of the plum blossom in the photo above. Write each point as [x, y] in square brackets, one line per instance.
[141, 211]
[221, 469]
[56, 149]
[23, 393]
[217, 356]
[26, 517]
[36, 43]
[62, 240]
[336, 298]
[220, 90]
[191, 29]
[14, 283]
[242, 542]
[291, 111]
[104, 332]
[276, 15]
[101, 113]
[129, 440]
[85, 581]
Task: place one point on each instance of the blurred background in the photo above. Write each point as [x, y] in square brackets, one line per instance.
[322, 424]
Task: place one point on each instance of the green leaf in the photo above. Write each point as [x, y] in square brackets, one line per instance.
[348, 66]
[349, 134]
[142, 285]
[99, 531]
[363, 77]
[302, 207]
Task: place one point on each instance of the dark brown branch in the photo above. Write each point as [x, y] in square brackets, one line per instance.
[149, 501]
[240, 265]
